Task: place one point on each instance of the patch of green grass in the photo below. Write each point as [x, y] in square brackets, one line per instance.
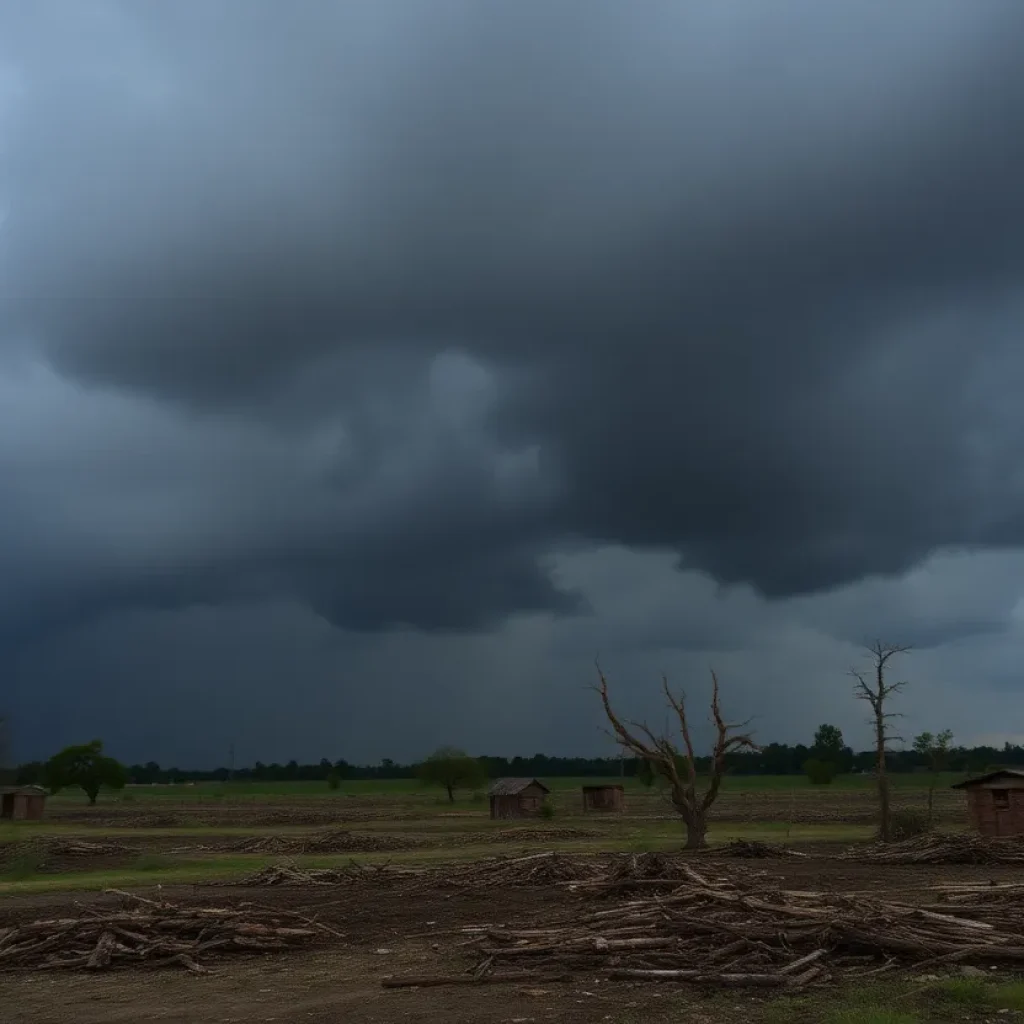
[980, 992]
[869, 1015]
[965, 991]
[1008, 996]
[150, 862]
[23, 866]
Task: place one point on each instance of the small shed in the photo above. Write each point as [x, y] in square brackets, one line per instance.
[995, 802]
[517, 798]
[22, 803]
[604, 798]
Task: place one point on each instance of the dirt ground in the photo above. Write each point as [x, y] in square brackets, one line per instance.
[389, 933]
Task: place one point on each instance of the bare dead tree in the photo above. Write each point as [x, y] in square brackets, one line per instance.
[871, 686]
[679, 768]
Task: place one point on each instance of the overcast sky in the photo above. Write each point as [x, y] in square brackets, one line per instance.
[367, 368]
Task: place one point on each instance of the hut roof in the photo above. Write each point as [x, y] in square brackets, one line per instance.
[24, 790]
[603, 785]
[1001, 773]
[513, 787]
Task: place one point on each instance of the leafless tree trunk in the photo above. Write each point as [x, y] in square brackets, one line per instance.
[665, 758]
[872, 687]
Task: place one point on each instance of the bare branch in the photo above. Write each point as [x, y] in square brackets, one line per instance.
[663, 756]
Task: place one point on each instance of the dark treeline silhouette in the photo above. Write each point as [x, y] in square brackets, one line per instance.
[773, 759]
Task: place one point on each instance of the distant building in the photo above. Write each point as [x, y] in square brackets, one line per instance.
[22, 803]
[995, 802]
[517, 798]
[604, 798]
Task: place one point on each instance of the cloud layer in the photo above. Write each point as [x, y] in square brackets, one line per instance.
[388, 315]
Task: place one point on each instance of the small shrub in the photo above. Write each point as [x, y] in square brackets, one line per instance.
[127, 797]
[547, 810]
[479, 796]
[820, 773]
[907, 824]
[333, 780]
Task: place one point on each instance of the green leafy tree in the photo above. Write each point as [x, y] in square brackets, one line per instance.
[85, 766]
[935, 750]
[827, 755]
[452, 769]
[828, 743]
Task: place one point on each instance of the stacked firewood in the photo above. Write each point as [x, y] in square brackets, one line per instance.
[146, 933]
[737, 931]
[944, 848]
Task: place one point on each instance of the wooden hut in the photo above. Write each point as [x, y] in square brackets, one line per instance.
[22, 803]
[995, 802]
[604, 798]
[517, 798]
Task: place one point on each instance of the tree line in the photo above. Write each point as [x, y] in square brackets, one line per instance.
[772, 759]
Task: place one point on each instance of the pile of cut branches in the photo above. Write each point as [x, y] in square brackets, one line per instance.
[943, 848]
[734, 930]
[536, 869]
[754, 849]
[630, 872]
[290, 873]
[527, 834]
[334, 840]
[146, 933]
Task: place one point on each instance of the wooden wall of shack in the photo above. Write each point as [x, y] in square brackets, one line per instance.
[996, 807]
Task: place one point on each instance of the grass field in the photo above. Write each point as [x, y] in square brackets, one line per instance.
[350, 789]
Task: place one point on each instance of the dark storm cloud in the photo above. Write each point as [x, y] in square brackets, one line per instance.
[737, 281]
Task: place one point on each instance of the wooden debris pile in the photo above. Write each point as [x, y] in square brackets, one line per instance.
[145, 933]
[290, 873]
[538, 869]
[539, 834]
[47, 846]
[944, 848]
[335, 840]
[755, 849]
[970, 896]
[630, 872]
[737, 931]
